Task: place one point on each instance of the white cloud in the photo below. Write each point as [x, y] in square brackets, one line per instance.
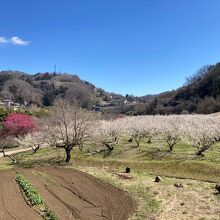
[3, 40]
[18, 41]
[13, 40]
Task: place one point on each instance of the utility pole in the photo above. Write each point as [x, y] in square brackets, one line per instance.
[55, 68]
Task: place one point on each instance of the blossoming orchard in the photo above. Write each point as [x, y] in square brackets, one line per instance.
[69, 127]
[200, 131]
[76, 127]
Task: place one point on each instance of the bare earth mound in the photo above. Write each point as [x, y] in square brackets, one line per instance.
[71, 194]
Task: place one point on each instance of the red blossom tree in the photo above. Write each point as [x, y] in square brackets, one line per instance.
[17, 124]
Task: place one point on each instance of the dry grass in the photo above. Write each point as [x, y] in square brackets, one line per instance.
[196, 200]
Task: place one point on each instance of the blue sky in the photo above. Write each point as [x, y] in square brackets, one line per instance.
[126, 46]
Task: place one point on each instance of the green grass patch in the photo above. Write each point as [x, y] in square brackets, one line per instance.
[149, 158]
[5, 163]
[197, 170]
[176, 164]
[46, 155]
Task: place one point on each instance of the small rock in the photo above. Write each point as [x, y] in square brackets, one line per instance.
[157, 179]
[178, 185]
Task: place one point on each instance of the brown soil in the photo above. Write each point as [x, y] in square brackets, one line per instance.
[71, 194]
[12, 204]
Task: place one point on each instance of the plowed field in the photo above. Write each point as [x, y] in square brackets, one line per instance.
[71, 194]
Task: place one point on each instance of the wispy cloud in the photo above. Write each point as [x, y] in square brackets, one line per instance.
[18, 41]
[2, 40]
[14, 40]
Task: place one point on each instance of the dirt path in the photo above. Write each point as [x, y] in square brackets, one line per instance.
[11, 152]
[18, 150]
[71, 194]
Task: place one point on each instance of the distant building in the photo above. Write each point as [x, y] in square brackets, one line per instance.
[8, 103]
[97, 108]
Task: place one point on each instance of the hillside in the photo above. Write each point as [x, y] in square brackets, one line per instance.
[200, 94]
[43, 88]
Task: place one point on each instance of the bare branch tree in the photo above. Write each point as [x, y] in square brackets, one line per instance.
[68, 126]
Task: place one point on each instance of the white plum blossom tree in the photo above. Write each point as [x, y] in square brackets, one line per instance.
[106, 134]
[202, 132]
[169, 130]
[139, 128]
[33, 140]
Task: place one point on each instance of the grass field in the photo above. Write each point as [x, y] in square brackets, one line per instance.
[163, 200]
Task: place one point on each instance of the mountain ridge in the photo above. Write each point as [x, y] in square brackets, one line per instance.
[200, 93]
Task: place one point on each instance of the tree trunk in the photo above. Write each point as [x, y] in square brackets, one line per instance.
[3, 151]
[35, 149]
[68, 155]
[200, 153]
[109, 150]
[170, 148]
[14, 161]
[201, 150]
[137, 143]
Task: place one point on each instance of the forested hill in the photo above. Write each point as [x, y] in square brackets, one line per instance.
[200, 94]
[43, 88]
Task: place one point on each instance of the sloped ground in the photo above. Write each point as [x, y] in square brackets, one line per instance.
[196, 200]
[71, 194]
[12, 204]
